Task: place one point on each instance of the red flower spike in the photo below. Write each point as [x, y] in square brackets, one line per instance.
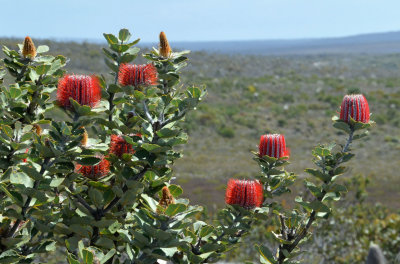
[356, 107]
[137, 75]
[84, 89]
[246, 193]
[95, 172]
[119, 146]
[273, 145]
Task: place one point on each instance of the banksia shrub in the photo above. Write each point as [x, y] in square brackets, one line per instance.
[273, 145]
[29, 49]
[137, 75]
[94, 172]
[84, 89]
[246, 193]
[119, 146]
[356, 107]
[165, 49]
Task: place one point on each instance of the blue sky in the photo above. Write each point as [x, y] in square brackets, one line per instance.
[198, 20]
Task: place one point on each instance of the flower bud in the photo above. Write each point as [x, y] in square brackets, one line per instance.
[166, 198]
[137, 75]
[85, 137]
[356, 107]
[273, 145]
[94, 172]
[38, 129]
[84, 89]
[246, 193]
[29, 50]
[165, 49]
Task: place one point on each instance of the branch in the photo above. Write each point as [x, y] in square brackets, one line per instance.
[312, 218]
[147, 113]
[82, 201]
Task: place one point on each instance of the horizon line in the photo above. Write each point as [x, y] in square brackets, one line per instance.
[98, 40]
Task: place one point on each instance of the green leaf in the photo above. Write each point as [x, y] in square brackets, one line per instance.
[87, 256]
[55, 182]
[8, 130]
[206, 230]
[42, 49]
[32, 172]
[174, 209]
[21, 178]
[109, 255]
[111, 39]
[319, 206]
[113, 88]
[124, 35]
[266, 255]
[14, 196]
[105, 243]
[72, 260]
[175, 190]
[43, 69]
[110, 55]
[342, 126]
[167, 133]
[89, 161]
[150, 201]
[133, 50]
[323, 152]
[335, 188]
[318, 174]
[96, 196]
[127, 58]
[111, 65]
[14, 92]
[119, 47]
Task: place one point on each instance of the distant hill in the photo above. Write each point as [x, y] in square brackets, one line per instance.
[376, 43]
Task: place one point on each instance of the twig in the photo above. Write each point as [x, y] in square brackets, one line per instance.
[147, 113]
[82, 201]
